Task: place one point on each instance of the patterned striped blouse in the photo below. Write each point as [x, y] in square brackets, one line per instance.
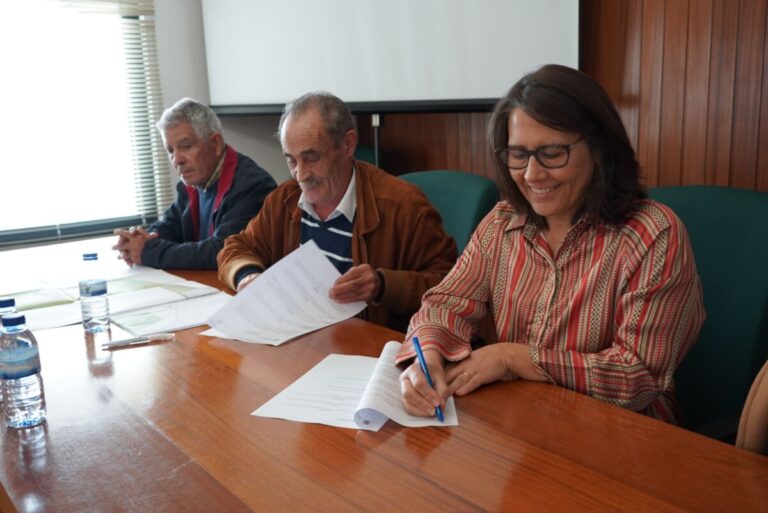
[611, 316]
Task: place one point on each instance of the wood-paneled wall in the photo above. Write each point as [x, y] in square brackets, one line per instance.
[414, 142]
[689, 77]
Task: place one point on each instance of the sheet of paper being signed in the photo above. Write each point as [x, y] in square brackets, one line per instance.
[288, 300]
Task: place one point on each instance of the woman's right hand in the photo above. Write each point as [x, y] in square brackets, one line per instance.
[418, 397]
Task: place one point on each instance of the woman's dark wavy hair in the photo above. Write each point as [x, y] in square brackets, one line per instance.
[568, 100]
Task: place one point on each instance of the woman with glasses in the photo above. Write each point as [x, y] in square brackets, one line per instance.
[590, 285]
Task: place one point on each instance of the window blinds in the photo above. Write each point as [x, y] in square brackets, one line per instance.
[139, 96]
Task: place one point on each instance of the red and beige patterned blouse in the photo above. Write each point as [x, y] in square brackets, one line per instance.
[611, 315]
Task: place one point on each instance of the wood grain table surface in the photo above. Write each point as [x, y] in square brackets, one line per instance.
[167, 427]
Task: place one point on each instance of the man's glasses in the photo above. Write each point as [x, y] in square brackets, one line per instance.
[550, 156]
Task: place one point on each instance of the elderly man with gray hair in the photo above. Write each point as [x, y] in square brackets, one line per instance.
[219, 192]
[380, 232]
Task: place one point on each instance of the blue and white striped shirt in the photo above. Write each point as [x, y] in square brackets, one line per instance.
[334, 235]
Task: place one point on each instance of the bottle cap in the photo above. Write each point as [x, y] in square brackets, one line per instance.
[14, 319]
[90, 256]
[6, 302]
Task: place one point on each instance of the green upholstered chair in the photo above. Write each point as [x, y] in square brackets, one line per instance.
[366, 153]
[728, 229]
[462, 199]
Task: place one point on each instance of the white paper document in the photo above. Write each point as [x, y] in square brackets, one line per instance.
[348, 391]
[174, 316]
[288, 300]
[53, 316]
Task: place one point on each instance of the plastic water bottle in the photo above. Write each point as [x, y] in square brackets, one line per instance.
[22, 384]
[7, 306]
[94, 302]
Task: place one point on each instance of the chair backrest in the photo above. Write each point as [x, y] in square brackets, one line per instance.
[366, 153]
[753, 425]
[462, 199]
[728, 229]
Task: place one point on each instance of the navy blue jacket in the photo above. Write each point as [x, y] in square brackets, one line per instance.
[242, 187]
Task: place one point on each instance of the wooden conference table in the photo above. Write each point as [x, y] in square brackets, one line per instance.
[167, 427]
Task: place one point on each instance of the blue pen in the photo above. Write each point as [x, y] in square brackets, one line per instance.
[423, 364]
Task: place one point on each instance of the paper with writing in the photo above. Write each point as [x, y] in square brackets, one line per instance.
[288, 300]
[349, 391]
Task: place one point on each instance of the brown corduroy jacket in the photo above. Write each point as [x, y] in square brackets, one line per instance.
[396, 231]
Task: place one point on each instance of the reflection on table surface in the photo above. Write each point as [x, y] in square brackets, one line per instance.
[167, 427]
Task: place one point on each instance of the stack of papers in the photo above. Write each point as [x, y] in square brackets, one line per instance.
[139, 297]
[137, 292]
[171, 316]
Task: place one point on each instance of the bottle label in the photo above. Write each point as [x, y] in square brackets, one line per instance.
[20, 362]
[89, 288]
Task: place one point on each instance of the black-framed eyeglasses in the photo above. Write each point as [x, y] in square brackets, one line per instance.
[550, 156]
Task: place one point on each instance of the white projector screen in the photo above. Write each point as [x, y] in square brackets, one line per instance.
[381, 55]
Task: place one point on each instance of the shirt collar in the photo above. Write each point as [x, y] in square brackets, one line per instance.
[346, 207]
[530, 230]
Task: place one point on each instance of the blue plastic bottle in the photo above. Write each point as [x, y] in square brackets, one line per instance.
[22, 383]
